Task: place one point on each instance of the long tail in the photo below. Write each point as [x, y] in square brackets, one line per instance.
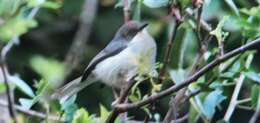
[71, 88]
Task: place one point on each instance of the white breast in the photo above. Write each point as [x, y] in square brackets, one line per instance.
[114, 71]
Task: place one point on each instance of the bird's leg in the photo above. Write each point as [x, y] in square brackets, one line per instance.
[116, 96]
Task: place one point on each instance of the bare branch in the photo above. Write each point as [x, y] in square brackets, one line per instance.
[233, 101]
[123, 95]
[194, 77]
[76, 51]
[257, 112]
[171, 115]
[8, 93]
[4, 51]
[167, 55]
[127, 10]
[33, 113]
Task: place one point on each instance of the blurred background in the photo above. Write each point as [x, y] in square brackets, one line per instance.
[57, 43]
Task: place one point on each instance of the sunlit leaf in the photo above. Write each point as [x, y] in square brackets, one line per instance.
[69, 107]
[253, 76]
[35, 3]
[233, 6]
[21, 85]
[222, 121]
[51, 5]
[2, 87]
[26, 103]
[211, 101]
[51, 70]
[104, 113]
[255, 91]
[137, 12]
[178, 75]
[9, 7]
[218, 32]
[81, 116]
[15, 27]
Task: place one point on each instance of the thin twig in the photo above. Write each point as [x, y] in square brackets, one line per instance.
[203, 23]
[4, 52]
[180, 96]
[167, 55]
[191, 79]
[257, 112]
[8, 94]
[183, 118]
[171, 115]
[33, 113]
[123, 95]
[233, 101]
[76, 51]
[127, 10]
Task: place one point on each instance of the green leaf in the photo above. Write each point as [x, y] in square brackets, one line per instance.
[156, 3]
[81, 116]
[218, 33]
[222, 121]
[104, 113]
[26, 103]
[51, 5]
[253, 11]
[69, 107]
[16, 27]
[178, 75]
[35, 3]
[182, 45]
[249, 60]
[51, 70]
[137, 12]
[253, 76]
[41, 86]
[22, 85]
[9, 7]
[233, 6]
[193, 115]
[184, 3]
[2, 87]
[212, 100]
[255, 90]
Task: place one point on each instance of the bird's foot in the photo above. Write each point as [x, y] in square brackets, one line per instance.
[114, 103]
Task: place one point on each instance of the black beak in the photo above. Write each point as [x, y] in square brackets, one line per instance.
[143, 25]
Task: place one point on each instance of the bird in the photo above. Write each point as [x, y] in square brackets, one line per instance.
[131, 51]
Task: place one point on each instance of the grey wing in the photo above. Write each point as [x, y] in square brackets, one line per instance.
[113, 48]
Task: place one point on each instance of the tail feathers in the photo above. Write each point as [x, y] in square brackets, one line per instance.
[71, 88]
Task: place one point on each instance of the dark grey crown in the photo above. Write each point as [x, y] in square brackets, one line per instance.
[130, 29]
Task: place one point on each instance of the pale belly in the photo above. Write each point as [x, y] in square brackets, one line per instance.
[139, 56]
[116, 70]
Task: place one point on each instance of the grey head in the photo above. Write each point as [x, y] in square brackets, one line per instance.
[130, 29]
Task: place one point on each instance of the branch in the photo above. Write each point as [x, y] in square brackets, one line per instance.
[203, 23]
[123, 95]
[33, 113]
[76, 51]
[172, 112]
[8, 93]
[257, 112]
[127, 10]
[176, 12]
[191, 79]
[4, 52]
[233, 101]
